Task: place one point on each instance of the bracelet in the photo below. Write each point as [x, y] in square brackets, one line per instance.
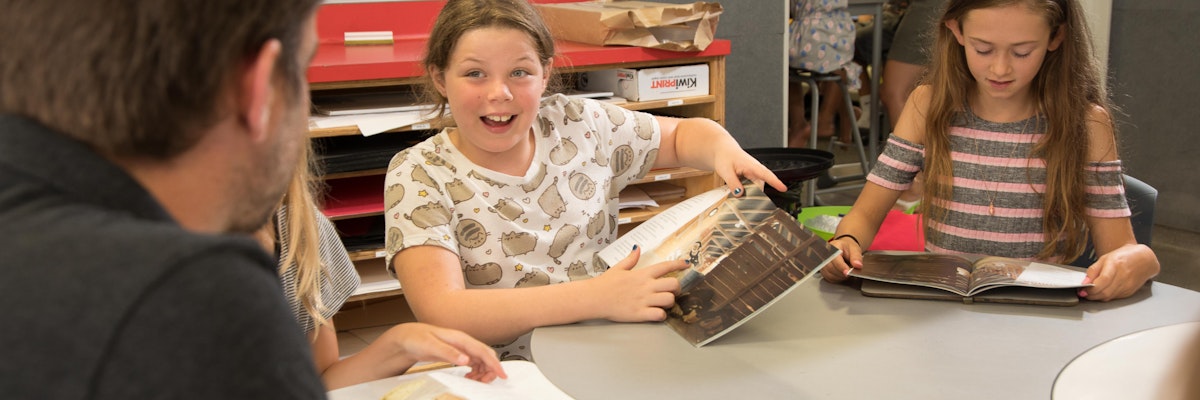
[846, 235]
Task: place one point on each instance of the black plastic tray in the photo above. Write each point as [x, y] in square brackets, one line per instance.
[793, 165]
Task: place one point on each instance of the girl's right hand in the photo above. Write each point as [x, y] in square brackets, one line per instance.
[627, 295]
[424, 342]
[839, 269]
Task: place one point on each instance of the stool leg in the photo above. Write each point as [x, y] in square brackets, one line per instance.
[855, 135]
[810, 188]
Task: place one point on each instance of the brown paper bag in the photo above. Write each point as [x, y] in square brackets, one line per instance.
[678, 27]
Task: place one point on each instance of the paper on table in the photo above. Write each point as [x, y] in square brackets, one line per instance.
[525, 381]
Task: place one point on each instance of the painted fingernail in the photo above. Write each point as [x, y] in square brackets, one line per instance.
[737, 191]
[635, 247]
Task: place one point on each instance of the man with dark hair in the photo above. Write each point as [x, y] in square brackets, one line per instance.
[139, 142]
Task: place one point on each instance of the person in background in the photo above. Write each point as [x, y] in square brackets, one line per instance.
[521, 194]
[1014, 133]
[907, 61]
[864, 45]
[908, 53]
[821, 40]
[318, 277]
[141, 143]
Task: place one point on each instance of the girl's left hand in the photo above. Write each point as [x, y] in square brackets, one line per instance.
[733, 163]
[1120, 273]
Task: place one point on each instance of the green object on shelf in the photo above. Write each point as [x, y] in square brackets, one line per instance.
[807, 213]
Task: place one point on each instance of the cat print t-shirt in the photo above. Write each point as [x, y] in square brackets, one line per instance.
[523, 231]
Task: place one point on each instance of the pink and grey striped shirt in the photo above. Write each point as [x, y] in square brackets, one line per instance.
[996, 204]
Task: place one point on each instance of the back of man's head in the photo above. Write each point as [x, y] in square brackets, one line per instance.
[141, 78]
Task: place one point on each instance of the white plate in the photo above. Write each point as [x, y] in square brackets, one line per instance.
[1157, 363]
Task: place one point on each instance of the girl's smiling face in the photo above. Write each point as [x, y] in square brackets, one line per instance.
[1004, 48]
[493, 82]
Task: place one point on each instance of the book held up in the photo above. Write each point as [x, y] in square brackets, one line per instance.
[745, 254]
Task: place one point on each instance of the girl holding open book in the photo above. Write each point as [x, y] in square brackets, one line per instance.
[1013, 130]
[521, 194]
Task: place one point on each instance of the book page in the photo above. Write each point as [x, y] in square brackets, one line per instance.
[992, 272]
[1050, 276]
[653, 233]
[941, 271]
[525, 381]
[749, 261]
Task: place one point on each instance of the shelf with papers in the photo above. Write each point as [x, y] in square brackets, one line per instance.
[376, 282]
[661, 106]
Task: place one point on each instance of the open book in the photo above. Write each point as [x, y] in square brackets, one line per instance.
[967, 277]
[745, 254]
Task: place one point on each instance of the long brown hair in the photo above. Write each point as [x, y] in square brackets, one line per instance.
[1065, 91]
[461, 16]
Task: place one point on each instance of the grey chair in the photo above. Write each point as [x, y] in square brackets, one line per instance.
[1141, 197]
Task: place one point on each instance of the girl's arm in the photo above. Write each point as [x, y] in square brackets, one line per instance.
[1123, 265]
[433, 282]
[704, 144]
[858, 228]
[862, 223]
[397, 350]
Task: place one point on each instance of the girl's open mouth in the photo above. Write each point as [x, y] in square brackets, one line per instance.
[497, 120]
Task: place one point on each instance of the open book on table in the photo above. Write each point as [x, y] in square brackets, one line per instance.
[968, 277]
[745, 253]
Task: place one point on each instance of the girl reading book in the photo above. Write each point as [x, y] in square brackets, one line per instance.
[1013, 130]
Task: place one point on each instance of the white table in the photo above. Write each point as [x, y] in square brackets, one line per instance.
[827, 341]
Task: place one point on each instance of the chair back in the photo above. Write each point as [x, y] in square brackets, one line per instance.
[1141, 197]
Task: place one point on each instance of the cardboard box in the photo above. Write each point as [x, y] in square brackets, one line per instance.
[677, 27]
[648, 84]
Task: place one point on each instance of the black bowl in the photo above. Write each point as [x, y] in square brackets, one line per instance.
[793, 166]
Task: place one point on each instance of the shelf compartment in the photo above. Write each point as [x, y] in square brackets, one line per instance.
[359, 196]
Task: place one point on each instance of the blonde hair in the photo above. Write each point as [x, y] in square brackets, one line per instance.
[1065, 91]
[303, 240]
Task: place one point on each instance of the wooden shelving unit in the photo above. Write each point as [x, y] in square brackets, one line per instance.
[337, 67]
